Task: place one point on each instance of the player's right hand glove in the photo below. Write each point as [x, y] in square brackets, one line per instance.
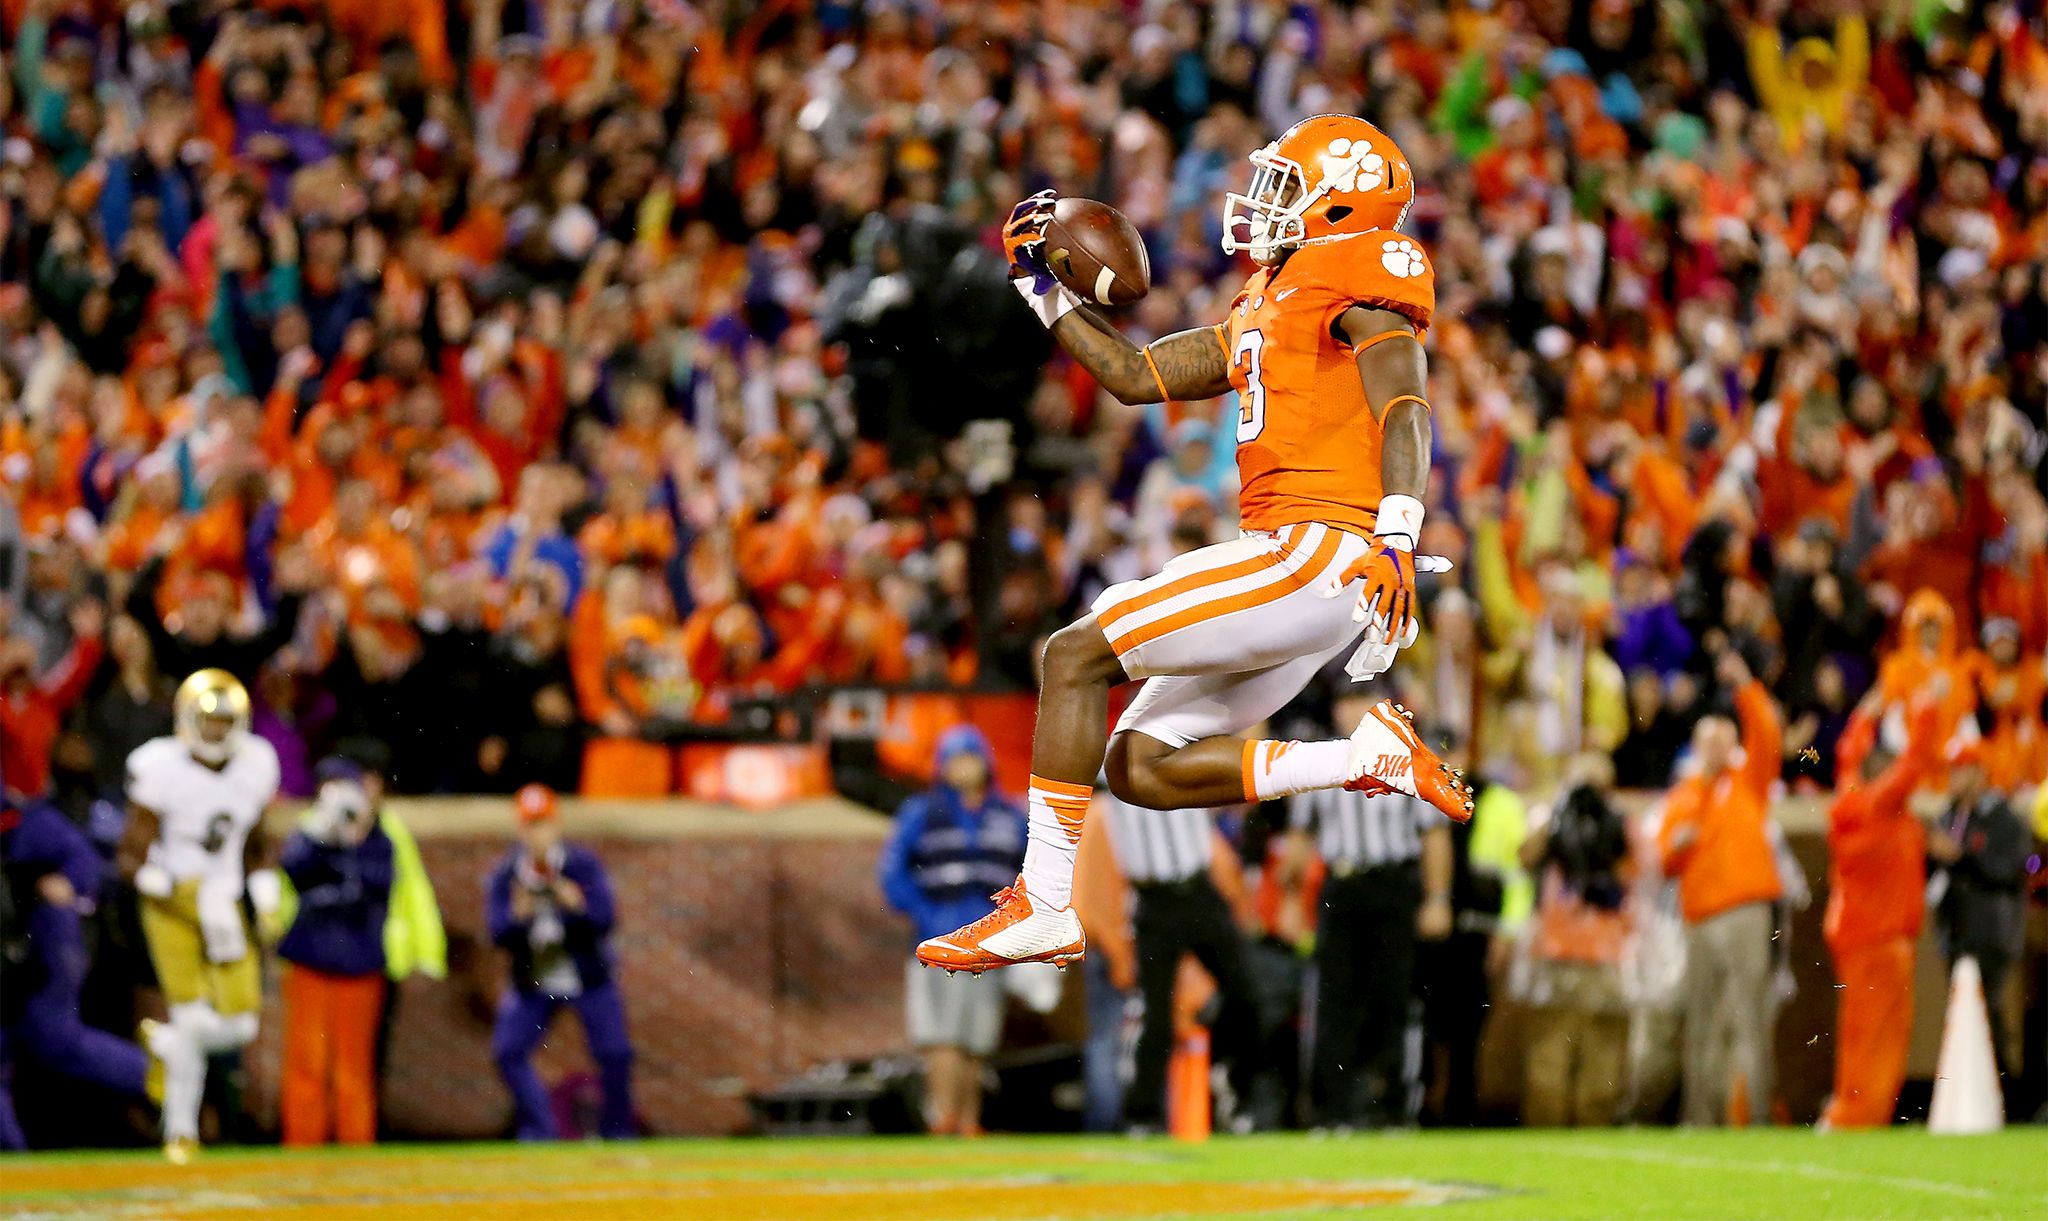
[1024, 243]
[1024, 236]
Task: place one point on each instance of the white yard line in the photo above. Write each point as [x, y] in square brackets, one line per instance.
[1581, 1148]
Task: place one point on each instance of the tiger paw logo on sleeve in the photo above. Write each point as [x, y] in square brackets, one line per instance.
[1402, 258]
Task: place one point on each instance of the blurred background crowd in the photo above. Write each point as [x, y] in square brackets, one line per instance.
[526, 387]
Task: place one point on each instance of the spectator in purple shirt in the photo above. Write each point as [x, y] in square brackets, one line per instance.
[1648, 633]
[340, 863]
[550, 906]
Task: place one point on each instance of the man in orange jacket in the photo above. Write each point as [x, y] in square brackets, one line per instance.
[1715, 842]
[1877, 876]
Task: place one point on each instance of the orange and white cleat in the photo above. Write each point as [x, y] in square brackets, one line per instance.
[1388, 756]
[1016, 931]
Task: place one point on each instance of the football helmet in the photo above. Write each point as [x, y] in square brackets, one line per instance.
[1326, 178]
[210, 714]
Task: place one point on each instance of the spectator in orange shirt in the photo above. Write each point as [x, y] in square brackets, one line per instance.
[1716, 843]
[1927, 649]
[1877, 873]
[628, 531]
[2010, 689]
[146, 507]
[359, 552]
[1810, 482]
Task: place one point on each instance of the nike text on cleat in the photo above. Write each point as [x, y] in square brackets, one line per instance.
[1014, 932]
[1388, 756]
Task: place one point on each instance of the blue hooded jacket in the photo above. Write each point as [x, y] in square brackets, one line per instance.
[945, 858]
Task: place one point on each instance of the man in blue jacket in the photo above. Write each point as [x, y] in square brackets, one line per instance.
[953, 848]
[341, 865]
[550, 907]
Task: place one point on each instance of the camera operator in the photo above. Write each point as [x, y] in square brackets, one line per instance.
[340, 863]
[550, 906]
[1579, 849]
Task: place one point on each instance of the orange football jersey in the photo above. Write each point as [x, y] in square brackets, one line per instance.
[1308, 447]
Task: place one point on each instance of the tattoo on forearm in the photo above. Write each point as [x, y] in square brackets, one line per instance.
[1191, 363]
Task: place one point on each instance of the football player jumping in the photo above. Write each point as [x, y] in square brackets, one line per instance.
[196, 803]
[1324, 349]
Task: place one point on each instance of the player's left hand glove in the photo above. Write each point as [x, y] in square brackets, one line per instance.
[1386, 604]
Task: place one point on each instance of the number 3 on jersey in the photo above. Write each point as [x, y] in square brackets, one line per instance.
[1251, 416]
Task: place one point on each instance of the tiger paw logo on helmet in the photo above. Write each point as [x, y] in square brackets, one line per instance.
[1353, 166]
[1402, 258]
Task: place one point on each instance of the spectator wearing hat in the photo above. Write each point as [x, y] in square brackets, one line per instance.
[549, 905]
[954, 845]
[340, 864]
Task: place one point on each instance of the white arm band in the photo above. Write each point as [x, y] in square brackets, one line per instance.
[1400, 519]
[1048, 307]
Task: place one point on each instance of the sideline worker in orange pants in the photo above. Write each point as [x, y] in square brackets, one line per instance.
[340, 863]
[1877, 876]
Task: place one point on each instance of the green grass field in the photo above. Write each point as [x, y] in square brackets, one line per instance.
[1646, 1173]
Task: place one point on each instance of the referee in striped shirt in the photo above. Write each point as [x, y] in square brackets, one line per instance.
[1166, 856]
[1389, 862]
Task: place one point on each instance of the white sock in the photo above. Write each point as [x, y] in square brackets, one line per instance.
[1280, 769]
[176, 1047]
[1058, 810]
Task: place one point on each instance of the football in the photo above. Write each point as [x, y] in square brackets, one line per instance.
[1097, 253]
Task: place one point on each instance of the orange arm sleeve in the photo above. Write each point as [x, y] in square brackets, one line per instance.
[1763, 736]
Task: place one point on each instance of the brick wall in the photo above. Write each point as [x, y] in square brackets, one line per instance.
[750, 946]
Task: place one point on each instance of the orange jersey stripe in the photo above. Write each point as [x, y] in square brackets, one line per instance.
[1200, 580]
[1272, 591]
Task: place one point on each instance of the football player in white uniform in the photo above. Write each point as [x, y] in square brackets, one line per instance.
[196, 804]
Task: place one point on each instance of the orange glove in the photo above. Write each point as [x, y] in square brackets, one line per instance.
[1388, 598]
[1387, 603]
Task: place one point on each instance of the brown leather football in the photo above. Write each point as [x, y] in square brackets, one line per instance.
[1095, 252]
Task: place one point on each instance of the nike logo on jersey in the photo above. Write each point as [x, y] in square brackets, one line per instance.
[1285, 293]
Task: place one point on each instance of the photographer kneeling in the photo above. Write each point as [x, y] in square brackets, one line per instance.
[340, 864]
[1578, 848]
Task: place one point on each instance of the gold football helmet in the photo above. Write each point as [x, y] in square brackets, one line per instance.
[211, 714]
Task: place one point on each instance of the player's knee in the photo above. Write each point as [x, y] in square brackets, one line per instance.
[1080, 653]
[1131, 768]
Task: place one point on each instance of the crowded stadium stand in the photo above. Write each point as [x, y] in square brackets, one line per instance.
[625, 397]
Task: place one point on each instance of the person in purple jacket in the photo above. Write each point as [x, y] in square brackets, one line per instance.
[56, 876]
[340, 864]
[550, 908]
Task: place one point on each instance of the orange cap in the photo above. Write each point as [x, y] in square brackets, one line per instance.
[535, 803]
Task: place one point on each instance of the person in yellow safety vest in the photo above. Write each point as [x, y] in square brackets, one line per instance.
[414, 940]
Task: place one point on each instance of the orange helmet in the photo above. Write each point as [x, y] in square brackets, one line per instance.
[1327, 178]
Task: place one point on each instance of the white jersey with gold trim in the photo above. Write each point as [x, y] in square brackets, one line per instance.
[204, 814]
